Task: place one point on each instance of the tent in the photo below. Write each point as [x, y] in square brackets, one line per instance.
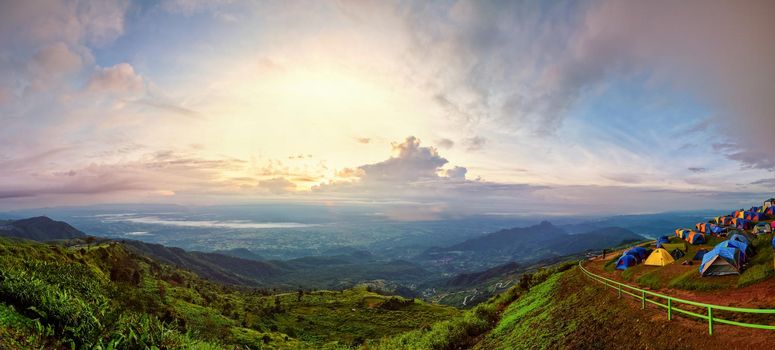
[739, 237]
[700, 253]
[769, 211]
[726, 221]
[744, 248]
[743, 224]
[773, 242]
[639, 253]
[707, 228]
[733, 231]
[720, 261]
[663, 239]
[682, 232]
[762, 227]
[625, 261]
[673, 246]
[769, 203]
[716, 229]
[659, 257]
[677, 254]
[753, 216]
[696, 238]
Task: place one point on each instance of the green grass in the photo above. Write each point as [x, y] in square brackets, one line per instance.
[610, 265]
[465, 331]
[761, 265]
[529, 318]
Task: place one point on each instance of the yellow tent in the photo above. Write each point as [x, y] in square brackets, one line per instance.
[659, 257]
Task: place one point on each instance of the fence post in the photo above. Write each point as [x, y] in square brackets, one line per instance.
[710, 320]
[669, 309]
[642, 299]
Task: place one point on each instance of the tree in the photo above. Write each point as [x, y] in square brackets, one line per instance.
[90, 240]
[277, 303]
[300, 294]
[525, 281]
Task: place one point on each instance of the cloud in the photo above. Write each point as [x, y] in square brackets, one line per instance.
[277, 185]
[720, 57]
[768, 182]
[412, 162]
[475, 143]
[167, 106]
[445, 143]
[527, 65]
[457, 172]
[697, 170]
[35, 21]
[481, 60]
[85, 185]
[120, 79]
[5, 95]
[191, 7]
[626, 178]
[57, 59]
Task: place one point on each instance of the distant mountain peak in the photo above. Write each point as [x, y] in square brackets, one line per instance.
[40, 228]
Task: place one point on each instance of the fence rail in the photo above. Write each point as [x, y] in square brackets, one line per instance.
[669, 302]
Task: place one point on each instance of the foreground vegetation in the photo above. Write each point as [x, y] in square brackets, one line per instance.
[466, 331]
[103, 296]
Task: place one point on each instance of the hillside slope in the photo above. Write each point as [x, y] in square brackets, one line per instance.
[109, 296]
[570, 311]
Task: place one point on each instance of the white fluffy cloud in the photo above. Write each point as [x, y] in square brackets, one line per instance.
[118, 79]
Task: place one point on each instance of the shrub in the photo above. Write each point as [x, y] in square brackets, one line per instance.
[67, 296]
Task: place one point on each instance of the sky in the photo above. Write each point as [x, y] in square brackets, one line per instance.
[424, 110]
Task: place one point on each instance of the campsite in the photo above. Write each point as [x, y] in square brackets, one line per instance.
[727, 254]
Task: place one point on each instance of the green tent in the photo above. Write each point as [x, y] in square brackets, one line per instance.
[673, 246]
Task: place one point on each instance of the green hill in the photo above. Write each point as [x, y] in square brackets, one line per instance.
[39, 228]
[108, 295]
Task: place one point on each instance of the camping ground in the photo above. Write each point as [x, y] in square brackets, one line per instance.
[752, 288]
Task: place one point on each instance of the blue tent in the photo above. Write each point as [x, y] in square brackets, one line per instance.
[773, 243]
[716, 229]
[639, 253]
[700, 253]
[721, 261]
[745, 250]
[739, 237]
[663, 239]
[625, 262]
